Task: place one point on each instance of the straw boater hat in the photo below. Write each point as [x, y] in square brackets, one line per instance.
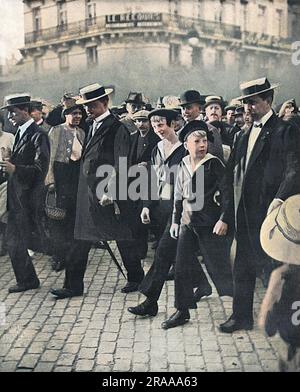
[16, 99]
[255, 87]
[93, 92]
[280, 232]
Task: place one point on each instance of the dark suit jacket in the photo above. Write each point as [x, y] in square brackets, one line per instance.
[149, 142]
[94, 222]
[31, 157]
[273, 171]
[25, 188]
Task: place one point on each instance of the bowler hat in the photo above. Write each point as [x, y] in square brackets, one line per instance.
[192, 126]
[255, 87]
[16, 100]
[191, 96]
[92, 92]
[137, 98]
[280, 232]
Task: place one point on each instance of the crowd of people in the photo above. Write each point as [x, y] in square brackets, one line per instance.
[226, 187]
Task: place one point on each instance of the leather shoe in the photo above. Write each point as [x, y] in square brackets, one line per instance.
[180, 317]
[232, 325]
[130, 287]
[200, 292]
[65, 293]
[18, 288]
[146, 308]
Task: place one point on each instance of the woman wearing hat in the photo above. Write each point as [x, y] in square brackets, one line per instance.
[66, 142]
[198, 222]
[280, 310]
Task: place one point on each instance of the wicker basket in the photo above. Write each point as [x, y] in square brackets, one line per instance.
[51, 209]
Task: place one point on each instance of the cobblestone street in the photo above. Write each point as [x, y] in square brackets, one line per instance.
[96, 333]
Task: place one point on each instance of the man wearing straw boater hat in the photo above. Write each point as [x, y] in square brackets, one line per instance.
[280, 310]
[27, 168]
[263, 171]
[100, 214]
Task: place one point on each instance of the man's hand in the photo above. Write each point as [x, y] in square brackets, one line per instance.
[275, 203]
[8, 167]
[220, 228]
[145, 216]
[106, 201]
[174, 231]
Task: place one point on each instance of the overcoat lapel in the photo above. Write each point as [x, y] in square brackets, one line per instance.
[100, 132]
[24, 139]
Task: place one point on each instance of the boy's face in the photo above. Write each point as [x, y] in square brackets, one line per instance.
[196, 146]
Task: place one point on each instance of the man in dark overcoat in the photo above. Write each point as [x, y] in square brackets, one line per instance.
[101, 215]
[263, 170]
[27, 168]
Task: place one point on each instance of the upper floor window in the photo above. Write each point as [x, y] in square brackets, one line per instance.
[92, 56]
[279, 20]
[62, 15]
[262, 21]
[174, 53]
[36, 14]
[63, 61]
[91, 11]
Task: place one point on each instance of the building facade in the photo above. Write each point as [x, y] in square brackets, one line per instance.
[69, 35]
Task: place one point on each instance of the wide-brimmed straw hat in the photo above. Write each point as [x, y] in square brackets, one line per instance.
[92, 92]
[280, 232]
[15, 100]
[255, 87]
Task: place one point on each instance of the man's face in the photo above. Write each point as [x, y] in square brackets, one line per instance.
[196, 146]
[73, 119]
[213, 112]
[36, 115]
[257, 107]
[95, 109]
[239, 120]
[191, 111]
[248, 118]
[230, 117]
[289, 109]
[133, 108]
[142, 124]
[161, 128]
[17, 116]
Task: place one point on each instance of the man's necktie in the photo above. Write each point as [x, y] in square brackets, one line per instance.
[17, 138]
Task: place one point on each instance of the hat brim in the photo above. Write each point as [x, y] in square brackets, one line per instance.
[15, 105]
[242, 97]
[190, 103]
[275, 244]
[81, 101]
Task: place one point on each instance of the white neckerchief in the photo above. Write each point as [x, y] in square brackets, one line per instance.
[187, 161]
[160, 146]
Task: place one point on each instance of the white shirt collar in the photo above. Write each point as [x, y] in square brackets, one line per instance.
[265, 118]
[22, 128]
[102, 117]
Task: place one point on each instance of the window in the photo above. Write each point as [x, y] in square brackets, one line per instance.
[279, 20]
[262, 19]
[62, 16]
[91, 12]
[197, 56]
[174, 53]
[37, 64]
[63, 61]
[92, 56]
[219, 59]
[174, 7]
[36, 14]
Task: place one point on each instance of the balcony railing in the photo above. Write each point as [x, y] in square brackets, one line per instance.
[130, 21]
[151, 22]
